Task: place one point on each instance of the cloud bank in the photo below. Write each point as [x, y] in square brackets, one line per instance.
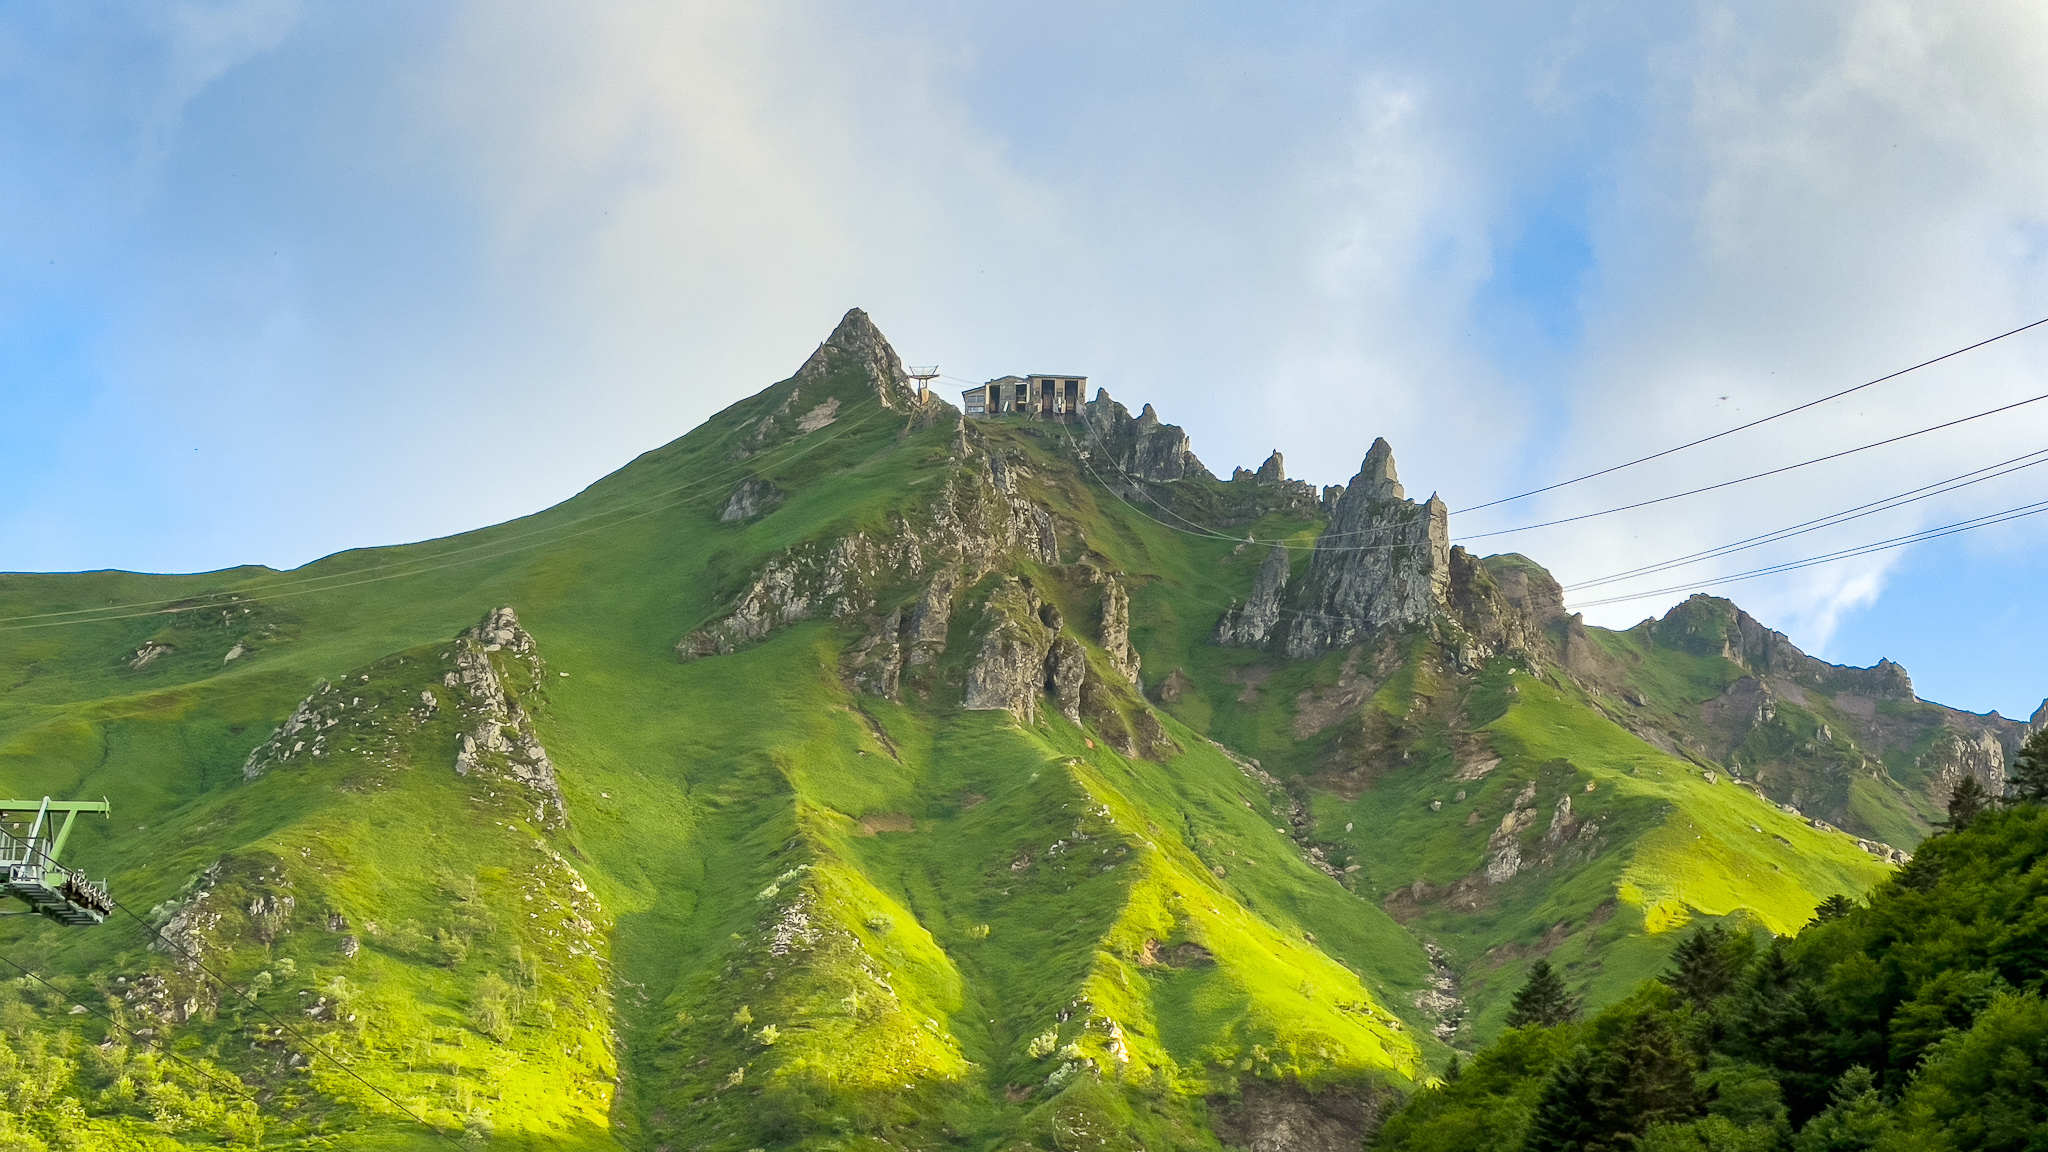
[286, 279]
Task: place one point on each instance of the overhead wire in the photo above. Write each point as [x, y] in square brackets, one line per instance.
[339, 580]
[1985, 521]
[287, 1026]
[1754, 423]
[237, 1087]
[1912, 495]
[1761, 475]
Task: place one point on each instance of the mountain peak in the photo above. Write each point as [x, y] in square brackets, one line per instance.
[1377, 473]
[856, 342]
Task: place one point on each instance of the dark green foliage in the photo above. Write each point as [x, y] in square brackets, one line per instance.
[1542, 1001]
[2028, 779]
[1968, 801]
[1914, 1022]
[1706, 963]
[1565, 1118]
[1833, 908]
[1603, 1100]
[1986, 1088]
[1487, 1108]
[1854, 1122]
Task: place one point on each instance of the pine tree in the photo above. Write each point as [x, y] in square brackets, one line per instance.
[1853, 1123]
[1778, 1019]
[1703, 967]
[1833, 908]
[1645, 1078]
[2028, 780]
[1542, 1000]
[1564, 1118]
[1966, 802]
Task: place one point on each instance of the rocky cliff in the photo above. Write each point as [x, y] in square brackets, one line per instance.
[1139, 448]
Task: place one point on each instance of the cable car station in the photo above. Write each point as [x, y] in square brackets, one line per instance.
[31, 839]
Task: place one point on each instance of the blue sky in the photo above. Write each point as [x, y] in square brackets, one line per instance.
[278, 279]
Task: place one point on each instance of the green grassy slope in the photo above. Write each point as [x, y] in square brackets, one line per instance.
[813, 916]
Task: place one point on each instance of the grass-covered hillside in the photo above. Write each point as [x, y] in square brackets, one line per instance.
[845, 774]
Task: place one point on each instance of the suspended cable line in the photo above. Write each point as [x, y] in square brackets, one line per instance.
[2016, 513]
[236, 1087]
[1833, 519]
[1760, 475]
[339, 580]
[1754, 423]
[286, 1025]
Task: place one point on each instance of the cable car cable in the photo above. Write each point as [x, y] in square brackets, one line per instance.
[264, 593]
[1889, 503]
[238, 1088]
[1756, 422]
[2015, 513]
[286, 1025]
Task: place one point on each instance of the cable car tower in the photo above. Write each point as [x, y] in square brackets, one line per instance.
[924, 376]
[30, 841]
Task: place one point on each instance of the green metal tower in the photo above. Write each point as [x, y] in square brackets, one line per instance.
[30, 841]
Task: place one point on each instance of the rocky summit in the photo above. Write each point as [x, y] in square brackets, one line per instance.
[852, 773]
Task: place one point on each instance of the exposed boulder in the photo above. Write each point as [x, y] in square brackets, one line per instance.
[1140, 448]
[149, 654]
[753, 497]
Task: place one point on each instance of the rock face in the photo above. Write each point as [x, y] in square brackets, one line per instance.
[1383, 561]
[858, 342]
[1116, 629]
[1258, 621]
[975, 520]
[1010, 669]
[1139, 449]
[753, 497]
[1273, 470]
[501, 741]
[490, 672]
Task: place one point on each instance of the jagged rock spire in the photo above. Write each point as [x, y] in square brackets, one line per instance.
[858, 341]
[1376, 473]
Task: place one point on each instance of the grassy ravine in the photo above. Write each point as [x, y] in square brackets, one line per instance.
[814, 917]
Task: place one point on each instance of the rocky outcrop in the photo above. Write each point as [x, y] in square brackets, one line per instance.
[495, 737]
[1066, 671]
[1140, 448]
[501, 742]
[975, 520]
[1955, 755]
[1258, 620]
[1286, 1116]
[1010, 670]
[857, 343]
[1711, 626]
[1383, 561]
[1503, 603]
[752, 498]
[905, 638]
[1273, 470]
[1115, 631]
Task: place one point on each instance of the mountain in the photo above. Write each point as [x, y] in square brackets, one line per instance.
[849, 772]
